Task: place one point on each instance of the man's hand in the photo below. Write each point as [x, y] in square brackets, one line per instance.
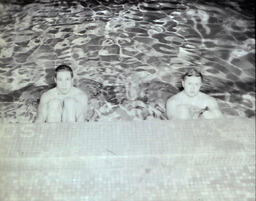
[197, 112]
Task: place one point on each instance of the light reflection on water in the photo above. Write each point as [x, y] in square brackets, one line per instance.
[127, 56]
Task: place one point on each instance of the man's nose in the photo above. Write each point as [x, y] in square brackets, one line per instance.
[63, 83]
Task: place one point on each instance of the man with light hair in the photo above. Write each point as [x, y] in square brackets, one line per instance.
[63, 103]
[191, 103]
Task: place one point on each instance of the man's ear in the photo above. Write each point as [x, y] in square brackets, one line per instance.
[182, 83]
[74, 81]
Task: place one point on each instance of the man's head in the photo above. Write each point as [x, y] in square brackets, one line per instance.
[191, 82]
[63, 78]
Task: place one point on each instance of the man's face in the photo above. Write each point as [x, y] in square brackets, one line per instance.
[64, 81]
[192, 85]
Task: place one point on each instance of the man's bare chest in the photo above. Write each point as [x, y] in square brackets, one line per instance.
[72, 96]
[197, 103]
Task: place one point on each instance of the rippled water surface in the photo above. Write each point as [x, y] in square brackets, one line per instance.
[127, 55]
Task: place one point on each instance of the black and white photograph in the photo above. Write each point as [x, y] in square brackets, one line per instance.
[127, 100]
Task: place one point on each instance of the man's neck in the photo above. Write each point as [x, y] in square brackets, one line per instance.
[191, 98]
[64, 95]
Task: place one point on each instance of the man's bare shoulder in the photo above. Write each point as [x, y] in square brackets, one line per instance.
[48, 94]
[207, 98]
[80, 93]
[174, 99]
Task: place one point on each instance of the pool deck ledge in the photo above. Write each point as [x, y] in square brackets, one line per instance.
[129, 161]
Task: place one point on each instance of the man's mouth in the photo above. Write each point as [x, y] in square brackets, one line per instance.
[64, 90]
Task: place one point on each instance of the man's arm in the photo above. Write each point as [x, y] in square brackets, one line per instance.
[213, 110]
[170, 108]
[84, 102]
[42, 110]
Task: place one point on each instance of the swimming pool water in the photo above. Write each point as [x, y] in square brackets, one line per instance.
[127, 55]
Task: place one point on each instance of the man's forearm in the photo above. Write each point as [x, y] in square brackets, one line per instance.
[211, 114]
[39, 119]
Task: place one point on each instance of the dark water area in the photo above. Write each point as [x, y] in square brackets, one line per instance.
[127, 55]
[246, 7]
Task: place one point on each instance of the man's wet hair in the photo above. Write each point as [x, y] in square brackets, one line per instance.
[192, 72]
[63, 67]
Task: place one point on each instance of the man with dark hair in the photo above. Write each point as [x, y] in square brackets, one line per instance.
[191, 103]
[63, 103]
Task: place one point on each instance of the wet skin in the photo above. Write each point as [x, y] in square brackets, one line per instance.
[191, 103]
[64, 103]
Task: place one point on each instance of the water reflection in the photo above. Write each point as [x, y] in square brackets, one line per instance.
[128, 55]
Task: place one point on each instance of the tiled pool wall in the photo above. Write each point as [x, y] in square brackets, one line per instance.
[127, 55]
